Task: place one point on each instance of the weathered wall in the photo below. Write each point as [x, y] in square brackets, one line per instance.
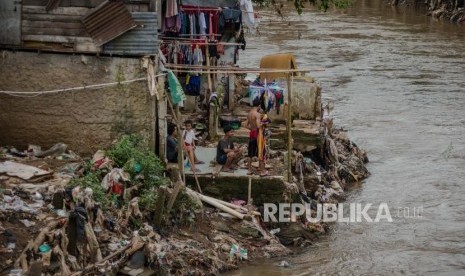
[85, 119]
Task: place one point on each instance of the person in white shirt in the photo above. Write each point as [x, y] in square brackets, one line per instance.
[189, 145]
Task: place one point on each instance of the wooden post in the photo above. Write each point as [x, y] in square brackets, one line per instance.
[163, 132]
[180, 145]
[177, 119]
[154, 125]
[289, 129]
[207, 55]
[177, 188]
[231, 90]
[249, 198]
[212, 119]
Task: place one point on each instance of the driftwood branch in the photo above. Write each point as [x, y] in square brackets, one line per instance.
[109, 257]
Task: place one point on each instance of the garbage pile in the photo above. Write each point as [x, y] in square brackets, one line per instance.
[321, 177]
[61, 214]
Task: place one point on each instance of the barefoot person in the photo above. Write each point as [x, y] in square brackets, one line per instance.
[189, 145]
[172, 144]
[253, 124]
[263, 135]
[226, 154]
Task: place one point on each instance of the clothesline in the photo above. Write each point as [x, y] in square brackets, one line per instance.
[204, 43]
[92, 86]
[199, 9]
[238, 69]
[183, 38]
[200, 35]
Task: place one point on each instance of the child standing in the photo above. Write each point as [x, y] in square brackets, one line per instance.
[189, 145]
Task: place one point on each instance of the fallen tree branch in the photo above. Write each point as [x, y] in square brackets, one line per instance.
[89, 267]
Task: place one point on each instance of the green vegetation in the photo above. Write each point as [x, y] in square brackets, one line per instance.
[132, 154]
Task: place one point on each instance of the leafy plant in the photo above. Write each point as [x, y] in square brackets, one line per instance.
[93, 180]
[132, 154]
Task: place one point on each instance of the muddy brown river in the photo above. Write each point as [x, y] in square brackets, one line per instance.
[398, 85]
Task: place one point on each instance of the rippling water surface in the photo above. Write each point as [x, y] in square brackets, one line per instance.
[398, 85]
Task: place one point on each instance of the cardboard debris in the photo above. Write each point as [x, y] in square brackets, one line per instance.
[22, 171]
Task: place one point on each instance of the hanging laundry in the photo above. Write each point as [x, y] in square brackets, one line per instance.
[176, 92]
[229, 16]
[171, 8]
[197, 56]
[248, 15]
[241, 40]
[213, 50]
[193, 85]
[202, 25]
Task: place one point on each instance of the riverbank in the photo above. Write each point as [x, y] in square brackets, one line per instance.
[55, 218]
[451, 10]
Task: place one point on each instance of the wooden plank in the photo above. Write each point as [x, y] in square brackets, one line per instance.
[35, 2]
[60, 10]
[53, 31]
[65, 3]
[53, 25]
[85, 3]
[55, 38]
[51, 17]
[87, 47]
[137, 7]
[76, 46]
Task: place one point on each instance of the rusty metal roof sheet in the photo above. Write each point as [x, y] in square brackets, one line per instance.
[108, 21]
[142, 40]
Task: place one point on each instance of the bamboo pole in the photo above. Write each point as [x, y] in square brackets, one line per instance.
[249, 198]
[222, 207]
[289, 129]
[233, 206]
[180, 146]
[176, 116]
[240, 70]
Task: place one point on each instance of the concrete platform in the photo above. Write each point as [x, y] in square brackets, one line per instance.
[227, 186]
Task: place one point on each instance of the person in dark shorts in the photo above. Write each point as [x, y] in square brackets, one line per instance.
[172, 145]
[226, 154]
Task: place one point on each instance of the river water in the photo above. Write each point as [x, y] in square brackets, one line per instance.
[398, 85]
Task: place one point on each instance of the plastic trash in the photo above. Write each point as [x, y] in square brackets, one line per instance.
[37, 196]
[275, 231]
[62, 213]
[16, 272]
[238, 252]
[284, 264]
[11, 246]
[44, 248]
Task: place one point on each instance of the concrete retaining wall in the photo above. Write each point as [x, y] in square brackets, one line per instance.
[85, 119]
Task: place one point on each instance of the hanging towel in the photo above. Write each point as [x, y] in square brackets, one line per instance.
[202, 25]
[171, 8]
[176, 92]
[248, 14]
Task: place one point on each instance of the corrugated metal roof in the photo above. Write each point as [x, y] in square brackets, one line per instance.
[142, 40]
[108, 21]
